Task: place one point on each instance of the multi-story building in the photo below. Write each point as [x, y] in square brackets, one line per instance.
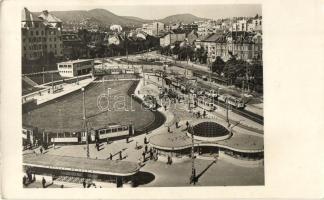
[75, 67]
[41, 35]
[189, 27]
[73, 47]
[240, 25]
[172, 37]
[154, 29]
[242, 45]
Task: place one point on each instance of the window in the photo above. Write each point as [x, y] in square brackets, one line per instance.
[31, 33]
[36, 32]
[42, 32]
[54, 39]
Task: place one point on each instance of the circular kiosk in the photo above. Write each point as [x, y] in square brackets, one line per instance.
[208, 130]
[210, 139]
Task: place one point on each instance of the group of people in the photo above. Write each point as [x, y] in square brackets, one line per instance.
[28, 178]
[152, 153]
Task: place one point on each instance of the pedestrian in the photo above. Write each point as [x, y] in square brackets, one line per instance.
[143, 154]
[151, 155]
[24, 180]
[177, 124]
[84, 183]
[165, 107]
[41, 150]
[145, 148]
[187, 124]
[120, 155]
[169, 130]
[127, 138]
[43, 182]
[111, 156]
[107, 140]
[145, 140]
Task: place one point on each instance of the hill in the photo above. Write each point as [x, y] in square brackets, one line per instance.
[102, 17]
[184, 18]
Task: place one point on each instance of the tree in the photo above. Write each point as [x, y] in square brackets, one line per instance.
[218, 65]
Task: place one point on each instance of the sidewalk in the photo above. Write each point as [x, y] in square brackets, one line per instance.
[67, 88]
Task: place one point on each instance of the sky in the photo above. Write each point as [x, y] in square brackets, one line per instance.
[160, 11]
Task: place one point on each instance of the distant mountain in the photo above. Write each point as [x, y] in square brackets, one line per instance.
[102, 17]
[184, 18]
[138, 19]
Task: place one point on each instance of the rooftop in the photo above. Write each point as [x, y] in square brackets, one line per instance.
[110, 167]
[74, 61]
[179, 140]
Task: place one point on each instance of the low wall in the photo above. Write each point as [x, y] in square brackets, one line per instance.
[240, 162]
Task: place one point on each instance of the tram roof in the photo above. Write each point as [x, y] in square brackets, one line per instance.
[80, 164]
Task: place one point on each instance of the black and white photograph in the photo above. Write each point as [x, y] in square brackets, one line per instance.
[163, 99]
[118, 97]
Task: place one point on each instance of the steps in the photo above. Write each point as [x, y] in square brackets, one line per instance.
[29, 81]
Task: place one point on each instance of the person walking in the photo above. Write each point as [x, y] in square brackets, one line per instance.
[143, 154]
[43, 182]
[25, 180]
[111, 156]
[41, 150]
[84, 183]
[187, 124]
[145, 148]
[120, 155]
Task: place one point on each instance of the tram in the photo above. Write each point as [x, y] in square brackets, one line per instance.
[109, 131]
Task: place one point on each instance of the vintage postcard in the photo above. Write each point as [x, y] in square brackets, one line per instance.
[144, 95]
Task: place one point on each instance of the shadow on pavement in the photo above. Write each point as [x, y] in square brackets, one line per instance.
[142, 178]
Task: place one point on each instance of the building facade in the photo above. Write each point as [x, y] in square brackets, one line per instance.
[75, 68]
[41, 35]
[171, 38]
[154, 29]
[241, 45]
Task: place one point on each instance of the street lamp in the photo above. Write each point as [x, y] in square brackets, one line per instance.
[193, 169]
[85, 125]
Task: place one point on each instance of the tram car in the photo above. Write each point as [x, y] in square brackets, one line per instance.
[236, 102]
[206, 104]
[211, 94]
[112, 131]
[109, 131]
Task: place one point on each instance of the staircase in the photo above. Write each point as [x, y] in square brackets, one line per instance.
[29, 81]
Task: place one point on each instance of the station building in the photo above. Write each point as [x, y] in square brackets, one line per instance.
[209, 139]
[75, 68]
[73, 171]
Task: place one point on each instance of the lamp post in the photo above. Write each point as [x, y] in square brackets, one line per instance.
[85, 121]
[193, 169]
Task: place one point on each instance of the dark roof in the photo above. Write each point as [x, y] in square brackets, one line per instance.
[110, 167]
[27, 16]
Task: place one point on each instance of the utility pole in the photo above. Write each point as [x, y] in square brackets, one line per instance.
[43, 75]
[226, 105]
[85, 121]
[52, 84]
[193, 170]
